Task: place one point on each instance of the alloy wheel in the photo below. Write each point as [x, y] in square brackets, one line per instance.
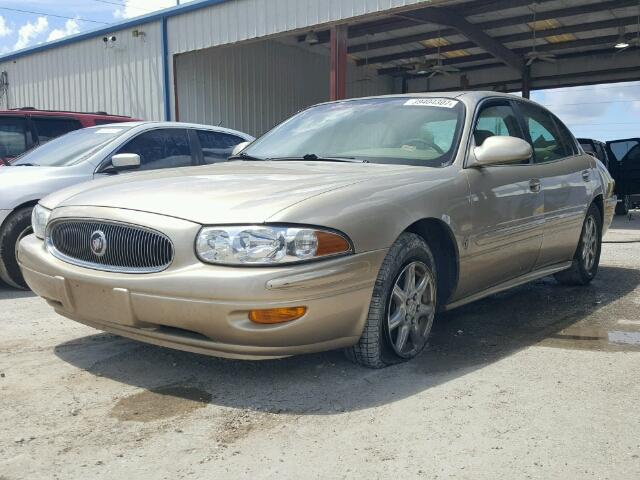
[589, 243]
[411, 309]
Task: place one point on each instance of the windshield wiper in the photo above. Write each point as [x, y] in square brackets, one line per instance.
[314, 157]
[24, 165]
[245, 156]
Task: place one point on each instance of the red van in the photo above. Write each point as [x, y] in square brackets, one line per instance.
[24, 128]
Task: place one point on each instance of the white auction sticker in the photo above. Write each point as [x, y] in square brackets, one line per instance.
[432, 102]
[109, 130]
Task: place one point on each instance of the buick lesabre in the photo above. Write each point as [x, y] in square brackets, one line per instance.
[349, 225]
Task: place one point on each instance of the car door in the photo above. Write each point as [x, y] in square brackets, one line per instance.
[161, 148]
[625, 165]
[506, 207]
[565, 176]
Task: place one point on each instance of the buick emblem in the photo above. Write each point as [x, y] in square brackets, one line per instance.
[98, 243]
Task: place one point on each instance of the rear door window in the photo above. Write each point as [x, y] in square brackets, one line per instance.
[162, 148]
[48, 128]
[13, 136]
[546, 139]
[217, 146]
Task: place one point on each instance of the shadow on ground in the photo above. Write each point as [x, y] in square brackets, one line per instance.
[463, 340]
[9, 293]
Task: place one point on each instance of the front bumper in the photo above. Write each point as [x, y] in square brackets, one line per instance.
[203, 308]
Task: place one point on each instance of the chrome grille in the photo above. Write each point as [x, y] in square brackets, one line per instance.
[110, 246]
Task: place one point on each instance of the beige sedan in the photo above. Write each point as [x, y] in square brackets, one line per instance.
[350, 225]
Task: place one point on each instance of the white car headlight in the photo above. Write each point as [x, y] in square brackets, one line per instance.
[39, 219]
[268, 245]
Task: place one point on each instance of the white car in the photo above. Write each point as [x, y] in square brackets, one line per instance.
[97, 152]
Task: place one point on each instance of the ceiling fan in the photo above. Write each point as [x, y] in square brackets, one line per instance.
[434, 66]
[366, 78]
[534, 55]
[623, 43]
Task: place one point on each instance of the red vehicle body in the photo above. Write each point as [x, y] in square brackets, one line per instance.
[22, 129]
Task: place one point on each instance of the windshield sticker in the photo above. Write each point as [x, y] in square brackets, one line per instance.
[109, 130]
[432, 102]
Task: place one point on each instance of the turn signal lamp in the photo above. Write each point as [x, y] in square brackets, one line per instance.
[277, 315]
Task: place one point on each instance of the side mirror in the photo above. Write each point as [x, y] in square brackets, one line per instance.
[239, 147]
[125, 161]
[502, 150]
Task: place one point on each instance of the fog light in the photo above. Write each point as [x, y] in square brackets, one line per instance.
[277, 315]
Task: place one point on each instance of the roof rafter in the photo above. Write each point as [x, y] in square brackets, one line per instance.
[449, 18]
[516, 37]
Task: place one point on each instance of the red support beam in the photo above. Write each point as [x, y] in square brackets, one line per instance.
[338, 80]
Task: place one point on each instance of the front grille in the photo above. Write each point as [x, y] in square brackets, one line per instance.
[110, 246]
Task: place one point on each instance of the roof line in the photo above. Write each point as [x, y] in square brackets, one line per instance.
[148, 18]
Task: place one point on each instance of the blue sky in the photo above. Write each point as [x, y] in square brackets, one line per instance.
[604, 112]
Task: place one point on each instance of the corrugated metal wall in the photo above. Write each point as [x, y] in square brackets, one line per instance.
[252, 87]
[128, 78]
[86, 76]
[240, 20]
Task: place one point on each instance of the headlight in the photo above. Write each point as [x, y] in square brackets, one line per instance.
[267, 245]
[39, 219]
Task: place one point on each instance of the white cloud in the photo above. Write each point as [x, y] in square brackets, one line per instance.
[70, 28]
[135, 8]
[4, 28]
[29, 31]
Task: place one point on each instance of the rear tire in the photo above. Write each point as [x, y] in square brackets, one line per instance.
[15, 227]
[623, 207]
[402, 308]
[587, 256]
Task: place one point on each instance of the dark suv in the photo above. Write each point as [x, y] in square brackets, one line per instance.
[24, 128]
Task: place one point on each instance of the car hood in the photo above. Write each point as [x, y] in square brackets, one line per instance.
[234, 192]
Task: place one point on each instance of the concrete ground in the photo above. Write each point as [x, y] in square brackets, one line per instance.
[538, 382]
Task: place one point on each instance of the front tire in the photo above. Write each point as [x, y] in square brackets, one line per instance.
[402, 308]
[15, 227]
[587, 256]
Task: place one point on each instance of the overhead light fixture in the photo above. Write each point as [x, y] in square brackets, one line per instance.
[312, 38]
[622, 41]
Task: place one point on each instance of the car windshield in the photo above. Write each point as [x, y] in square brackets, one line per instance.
[413, 131]
[71, 148]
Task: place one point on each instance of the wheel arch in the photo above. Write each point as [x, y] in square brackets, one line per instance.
[598, 200]
[30, 203]
[441, 240]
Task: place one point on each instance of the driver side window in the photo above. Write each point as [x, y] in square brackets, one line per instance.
[162, 148]
[497, 119]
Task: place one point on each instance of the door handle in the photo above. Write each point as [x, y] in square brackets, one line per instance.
[585, 175]
[534, 185]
